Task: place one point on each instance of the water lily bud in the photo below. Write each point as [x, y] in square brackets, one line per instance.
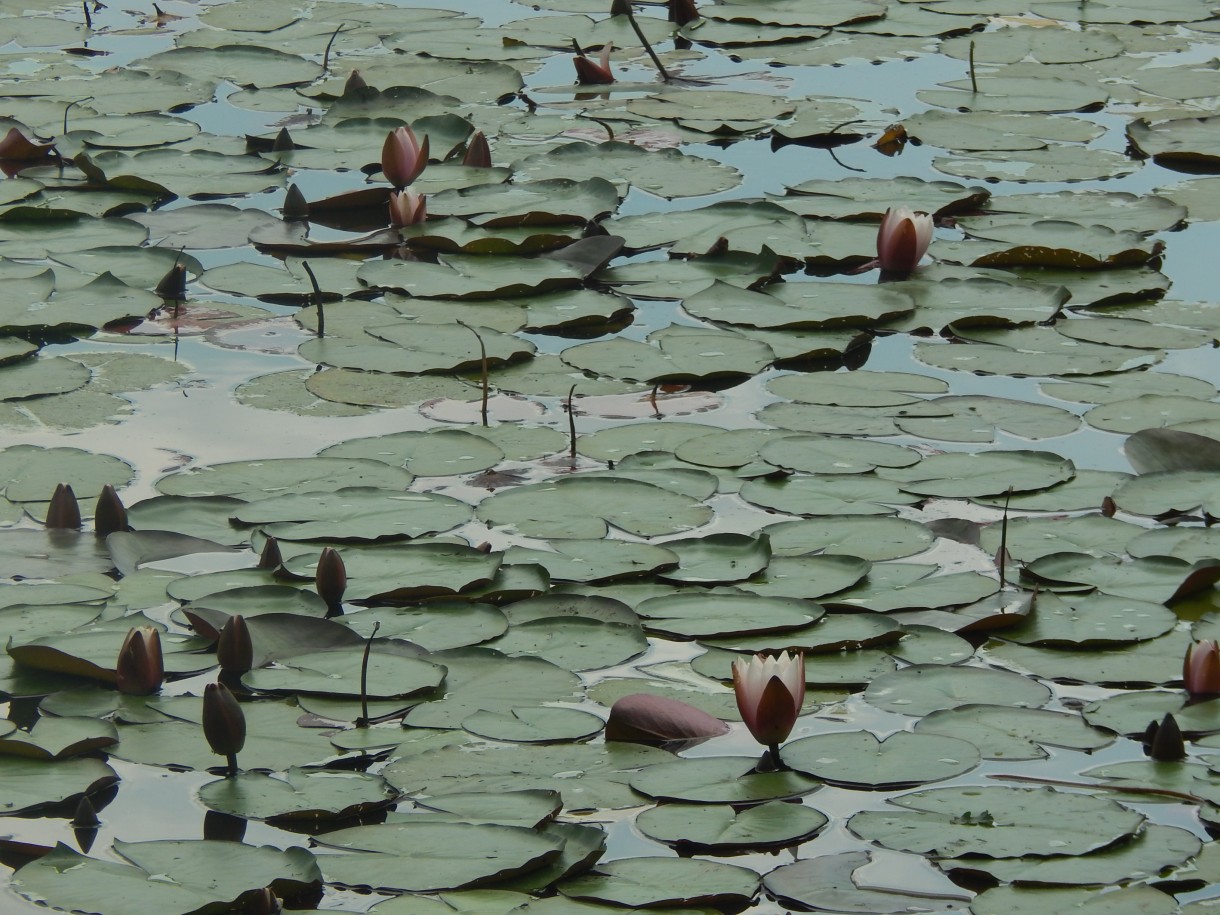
[224, 723]
[590, 73]
[682, 12]
[63, 512]
[403, 157]
[140, 669]
[1167, 744]
[295, 205]
[331, 579]
[260, 902]
[234, 650]
[270, 557]
[86, 815]
[354, 82]
[283, 141]
[109, 515]
[1201, 668]
[902, 239]
[620, 7]
[478, 153]
[770, 691]
[407, 208]
[173, 284]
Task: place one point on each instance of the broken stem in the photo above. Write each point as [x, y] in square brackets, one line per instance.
[363, 720]
[483, 376]
[624, 8]
[317, 298]
[571, 427]
[974, 83]
[329, 45]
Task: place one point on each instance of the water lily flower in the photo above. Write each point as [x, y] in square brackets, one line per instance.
[478, 153]
[224, 723]
[599, 73]
[1201, 668]
[403, 157]
[903, 238]
[770, 691]
[407, 208]
[140, 670]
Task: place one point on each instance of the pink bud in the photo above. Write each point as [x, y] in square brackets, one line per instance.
[902, 239]
[403, 157]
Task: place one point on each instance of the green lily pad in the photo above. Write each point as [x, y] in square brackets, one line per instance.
[700, 615]
[580, 507]
[1002, 732]
[30, 784]
[354, 513]
[922, 689]
[1018, 900]
[341, 672]
[981, 474]
[720, 780]
[589, 777]
[858, 759]
[720, 827]
[997, 822]
[829, 882]
[251, 480]
[638, 882]
[667, 173]
[300, 797]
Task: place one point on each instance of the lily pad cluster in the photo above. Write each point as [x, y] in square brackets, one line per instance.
[626, 407]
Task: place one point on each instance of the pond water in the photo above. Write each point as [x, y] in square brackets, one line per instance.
[765, 454]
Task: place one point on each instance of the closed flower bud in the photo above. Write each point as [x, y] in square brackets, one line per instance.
[140, 668]
[407, 208]
[403, 157]
[109, 515]
[234, 650]
[270, 557]
[331, 579]
[1201, 668]
[902, 239]
[64, 511]
[224, 723]
[478, 153]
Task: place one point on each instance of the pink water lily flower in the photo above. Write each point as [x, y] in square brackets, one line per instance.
[403, 157]
[903, 238]
[407, 208]
[770, 691]
[1201, 668]
[587, 71]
